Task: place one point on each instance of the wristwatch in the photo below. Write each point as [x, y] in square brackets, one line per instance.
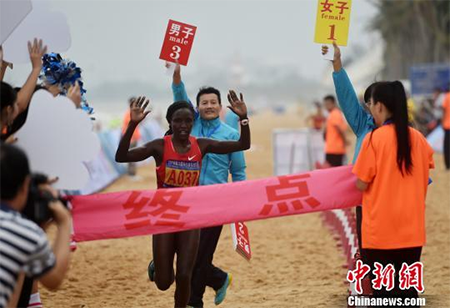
[244, 122]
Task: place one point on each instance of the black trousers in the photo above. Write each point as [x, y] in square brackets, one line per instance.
[447, 148]
[205, 273]
[395, 257]
[25, 294]
[335, 160]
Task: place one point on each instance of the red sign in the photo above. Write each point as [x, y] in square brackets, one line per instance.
[178, 42]
[241, 240]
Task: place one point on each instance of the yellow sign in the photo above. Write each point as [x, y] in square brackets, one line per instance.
[333, 21]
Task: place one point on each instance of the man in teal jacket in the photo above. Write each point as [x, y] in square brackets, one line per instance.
[215, 170]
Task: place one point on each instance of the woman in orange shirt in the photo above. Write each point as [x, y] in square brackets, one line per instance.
[393, 171]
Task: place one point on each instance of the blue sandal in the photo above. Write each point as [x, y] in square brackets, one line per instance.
[151, 270]
[222, 292]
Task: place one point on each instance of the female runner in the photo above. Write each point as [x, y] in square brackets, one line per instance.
[178, 158]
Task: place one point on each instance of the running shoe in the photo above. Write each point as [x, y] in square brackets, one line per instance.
[222, 292]
[151, 270]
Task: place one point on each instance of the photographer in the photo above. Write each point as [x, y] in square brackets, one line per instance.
[24, 247]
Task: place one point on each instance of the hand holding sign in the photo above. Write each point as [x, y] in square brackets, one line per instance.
[177, 69]
[178, 42]
[336, 59]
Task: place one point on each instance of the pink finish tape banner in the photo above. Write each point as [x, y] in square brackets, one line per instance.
[133, 213]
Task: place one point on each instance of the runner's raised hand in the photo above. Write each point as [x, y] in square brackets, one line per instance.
[237, 104]
[137, 109]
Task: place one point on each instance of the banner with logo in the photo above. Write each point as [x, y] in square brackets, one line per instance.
[133, 213]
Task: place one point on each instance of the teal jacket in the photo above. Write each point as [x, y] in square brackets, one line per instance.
[359, 120]
[232, 119]
[215, 167]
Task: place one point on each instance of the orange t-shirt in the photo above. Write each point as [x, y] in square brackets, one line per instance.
[334, 144]
[446, 115]
[393, 205]
[137, 134]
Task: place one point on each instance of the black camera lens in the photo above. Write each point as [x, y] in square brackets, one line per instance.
[37, 207]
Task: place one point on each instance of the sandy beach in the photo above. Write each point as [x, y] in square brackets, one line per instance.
[296, 262]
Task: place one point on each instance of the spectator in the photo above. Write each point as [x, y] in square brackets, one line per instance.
[335, 140]
[317, 120]
[24, 245]
[15, 116]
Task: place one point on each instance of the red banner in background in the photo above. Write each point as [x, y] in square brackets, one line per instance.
[178, 42]
[133, 213]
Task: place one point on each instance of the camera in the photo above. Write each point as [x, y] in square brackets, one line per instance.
[37, 207]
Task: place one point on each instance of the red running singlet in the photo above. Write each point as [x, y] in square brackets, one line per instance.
[179, 170]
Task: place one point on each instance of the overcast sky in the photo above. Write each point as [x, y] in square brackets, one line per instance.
[121, 40]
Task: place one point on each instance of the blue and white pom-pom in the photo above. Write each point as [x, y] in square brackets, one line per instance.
[63, 73]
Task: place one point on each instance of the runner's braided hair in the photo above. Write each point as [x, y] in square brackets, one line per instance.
[174, 107]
